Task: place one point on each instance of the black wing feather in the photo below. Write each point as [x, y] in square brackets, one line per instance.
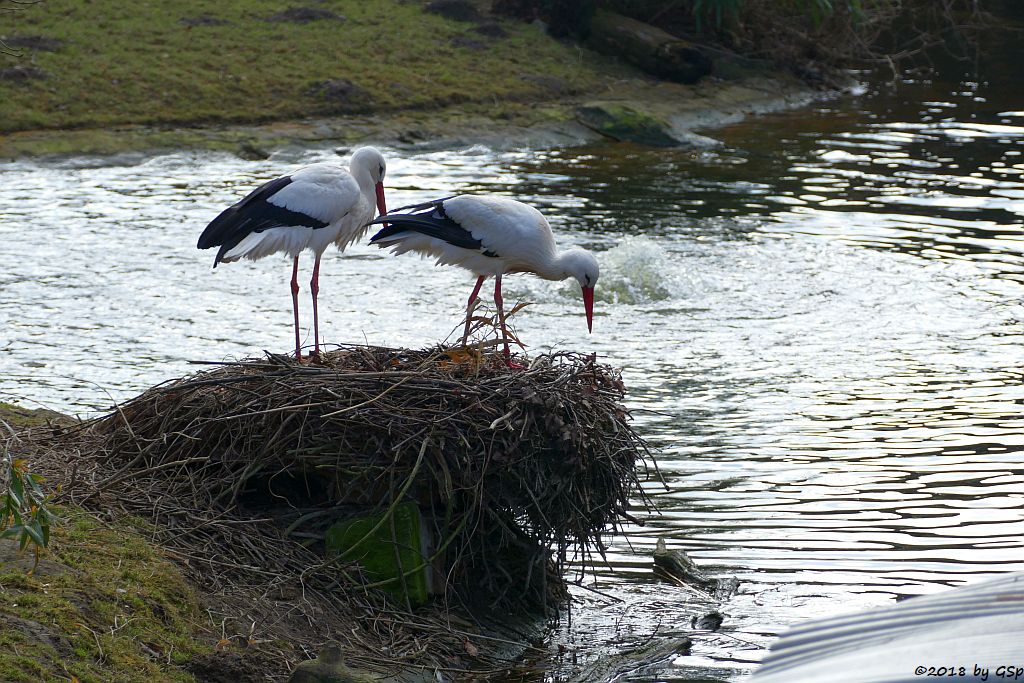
[432, 204]
[253, 213]
[431, 221]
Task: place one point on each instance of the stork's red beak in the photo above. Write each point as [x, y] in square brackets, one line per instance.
[588, 304]
[382, 208]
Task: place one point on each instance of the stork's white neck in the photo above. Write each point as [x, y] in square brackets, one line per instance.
[362, 175]
[367, 168]
[576, 263]
[554, 266]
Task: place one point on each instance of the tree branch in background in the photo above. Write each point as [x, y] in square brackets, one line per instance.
[813, 38]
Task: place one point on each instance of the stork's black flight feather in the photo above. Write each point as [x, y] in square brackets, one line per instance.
[431, 220]
[254, 213]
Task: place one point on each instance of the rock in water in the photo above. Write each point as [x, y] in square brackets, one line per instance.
[625, 124]
[677, 565]
[329, 668]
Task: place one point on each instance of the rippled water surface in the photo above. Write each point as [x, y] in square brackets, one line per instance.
[819, 322]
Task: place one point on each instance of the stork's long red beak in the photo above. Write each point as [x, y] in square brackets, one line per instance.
[588, 304]
[382, 207]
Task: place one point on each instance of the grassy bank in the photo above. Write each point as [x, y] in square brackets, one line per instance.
[102, 606]
[104, 63]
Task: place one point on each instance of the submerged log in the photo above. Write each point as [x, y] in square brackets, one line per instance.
[658, 53]
[676, 567]
[634, 662]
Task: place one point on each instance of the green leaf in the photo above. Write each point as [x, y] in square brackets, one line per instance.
[24, 506]
[16, 488]
[36, 532]
[33, 483]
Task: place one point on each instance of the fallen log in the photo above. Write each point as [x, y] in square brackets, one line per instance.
[658, 53]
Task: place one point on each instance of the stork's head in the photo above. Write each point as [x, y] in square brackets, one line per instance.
[370, 160]
[581, 264]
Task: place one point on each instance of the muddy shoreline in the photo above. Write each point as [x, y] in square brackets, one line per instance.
[679, 111]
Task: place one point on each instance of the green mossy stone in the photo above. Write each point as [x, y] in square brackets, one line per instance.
[393, 549]
[626, 124]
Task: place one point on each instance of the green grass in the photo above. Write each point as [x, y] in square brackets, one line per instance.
[102, 606]
[18, 417]
[136, 63]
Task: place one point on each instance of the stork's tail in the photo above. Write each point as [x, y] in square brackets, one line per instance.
[430, 219]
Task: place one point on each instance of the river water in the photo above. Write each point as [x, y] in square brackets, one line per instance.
[819, 321]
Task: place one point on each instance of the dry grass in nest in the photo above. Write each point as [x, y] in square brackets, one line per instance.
[241, 467]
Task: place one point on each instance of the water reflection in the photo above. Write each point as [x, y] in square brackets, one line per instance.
[820, 325]
[848, 419]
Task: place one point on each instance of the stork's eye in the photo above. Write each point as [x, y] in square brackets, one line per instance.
[381, 171]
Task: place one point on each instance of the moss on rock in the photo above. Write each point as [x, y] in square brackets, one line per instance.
[624, 123]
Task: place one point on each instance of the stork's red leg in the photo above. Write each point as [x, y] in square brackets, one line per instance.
[469, 308]
[314, 287]
[295, 306]
[501, 317]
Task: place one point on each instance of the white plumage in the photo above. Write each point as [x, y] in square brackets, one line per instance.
[311, 208]
[489, 236]
[325, 192]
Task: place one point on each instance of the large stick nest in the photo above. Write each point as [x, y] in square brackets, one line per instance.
[242, 466]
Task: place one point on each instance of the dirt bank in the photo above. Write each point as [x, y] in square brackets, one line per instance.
[678, 110]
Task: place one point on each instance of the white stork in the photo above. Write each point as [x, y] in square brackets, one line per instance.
[312, 208]
[488, 236]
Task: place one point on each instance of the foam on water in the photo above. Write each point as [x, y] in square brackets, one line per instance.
[637, 270]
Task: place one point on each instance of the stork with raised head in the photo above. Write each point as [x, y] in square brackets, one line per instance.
[311, 208]
[489, 236]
